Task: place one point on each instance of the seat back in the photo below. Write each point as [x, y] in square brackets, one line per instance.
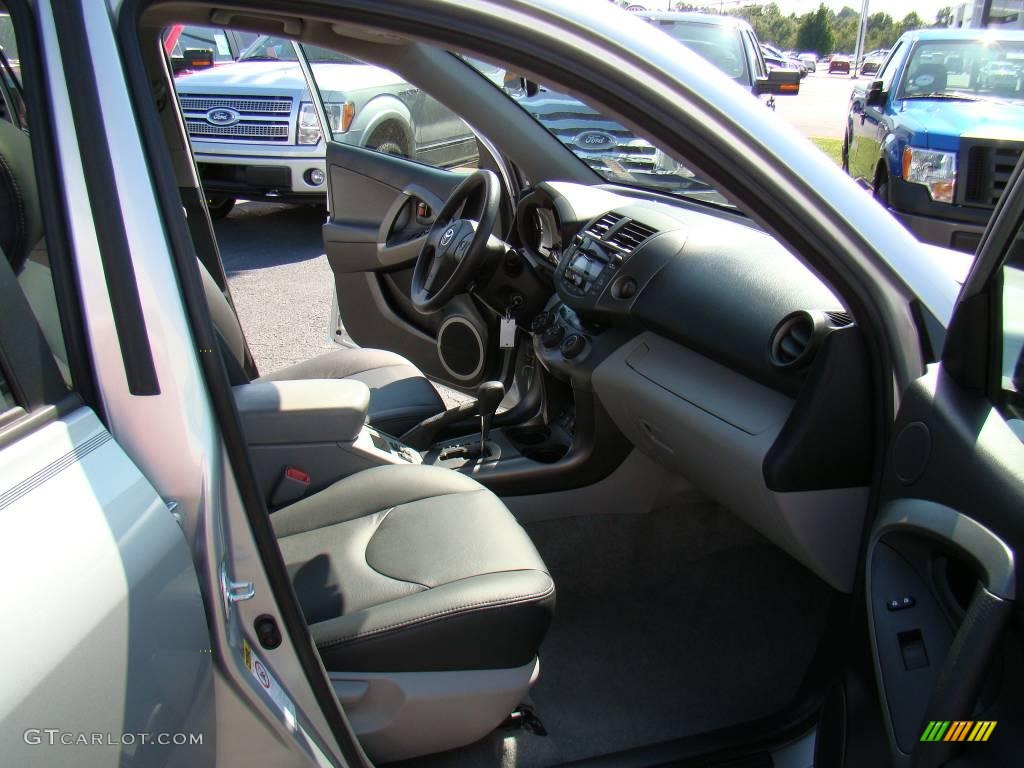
[927, 78]
[229, 330]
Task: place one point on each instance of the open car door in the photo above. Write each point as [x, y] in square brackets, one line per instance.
[942, 580]
[394, 156]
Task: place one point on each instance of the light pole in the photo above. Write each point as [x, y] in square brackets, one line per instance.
[862, 34]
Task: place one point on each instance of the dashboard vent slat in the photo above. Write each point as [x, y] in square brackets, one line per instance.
[631, 235]
[604, 225]
[840, 319]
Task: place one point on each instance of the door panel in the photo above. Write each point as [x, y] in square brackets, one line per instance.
[101, 587]
[942, 582]
[374, 233]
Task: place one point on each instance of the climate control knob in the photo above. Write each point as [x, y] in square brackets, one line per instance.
[573, 346]
[553, 336]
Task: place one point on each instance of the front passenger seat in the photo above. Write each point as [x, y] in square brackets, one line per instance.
[426, 599]
[400, 395]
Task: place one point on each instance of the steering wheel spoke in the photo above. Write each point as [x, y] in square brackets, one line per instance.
[430, 283]
[455, 248]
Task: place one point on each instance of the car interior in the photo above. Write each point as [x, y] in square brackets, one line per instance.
[666, 455]
[673, 427]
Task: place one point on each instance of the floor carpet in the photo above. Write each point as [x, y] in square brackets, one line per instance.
[668, 624]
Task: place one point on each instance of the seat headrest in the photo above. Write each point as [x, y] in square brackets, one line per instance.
[21, 219]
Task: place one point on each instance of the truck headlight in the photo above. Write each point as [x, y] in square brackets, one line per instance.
[339, 116]
[932, 168]
[309, 124]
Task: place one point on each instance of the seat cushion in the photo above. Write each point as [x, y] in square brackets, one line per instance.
[415, 569]
[400, 396]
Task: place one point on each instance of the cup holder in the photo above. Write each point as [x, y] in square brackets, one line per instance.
[546, 454]
[528, 435]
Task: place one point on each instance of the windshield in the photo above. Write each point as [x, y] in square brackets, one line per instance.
[717, 44]
[280, 49]
[612, 150]
[966, 69]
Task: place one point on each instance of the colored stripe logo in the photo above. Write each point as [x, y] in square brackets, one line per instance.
[958, 730]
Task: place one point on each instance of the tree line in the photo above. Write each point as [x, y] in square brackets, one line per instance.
[825, 31]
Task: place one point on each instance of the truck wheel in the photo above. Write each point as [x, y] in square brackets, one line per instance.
[882, 189]
[387, 140]
[219, 206]
[846, 153]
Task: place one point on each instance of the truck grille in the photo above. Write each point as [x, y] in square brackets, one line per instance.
[985, 167]
[263, 105]
[258, 118]
[202, 129]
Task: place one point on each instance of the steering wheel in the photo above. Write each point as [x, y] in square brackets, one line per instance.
[456, 248]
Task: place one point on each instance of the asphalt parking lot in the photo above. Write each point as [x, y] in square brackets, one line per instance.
[819, 110]
[282, 284]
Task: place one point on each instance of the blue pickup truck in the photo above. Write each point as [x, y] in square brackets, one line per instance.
[940, 129]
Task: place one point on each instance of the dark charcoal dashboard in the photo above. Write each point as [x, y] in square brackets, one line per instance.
[717, 352]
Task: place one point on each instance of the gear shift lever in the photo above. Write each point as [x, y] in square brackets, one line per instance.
[488, 397]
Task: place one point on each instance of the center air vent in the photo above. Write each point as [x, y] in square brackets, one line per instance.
[631, 235]
[604, 225]
[795, 340]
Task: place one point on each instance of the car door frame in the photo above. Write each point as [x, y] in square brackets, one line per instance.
[953, 491]
[379, 314]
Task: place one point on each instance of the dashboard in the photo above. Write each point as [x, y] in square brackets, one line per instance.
[716, 352]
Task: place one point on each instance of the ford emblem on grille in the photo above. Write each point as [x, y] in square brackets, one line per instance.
[595, 140]
[222, 116]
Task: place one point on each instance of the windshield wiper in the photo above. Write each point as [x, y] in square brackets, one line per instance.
[945, 96]
[260, 58]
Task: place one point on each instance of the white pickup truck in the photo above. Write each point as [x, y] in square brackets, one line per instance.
[255, 132]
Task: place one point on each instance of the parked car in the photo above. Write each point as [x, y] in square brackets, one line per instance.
[729, 43]
[192, 49]
[810, 61]
[256, 135]
[839, 64]
[767, 452]
[1001, 77]
[937, 145]
[872, 63]
[610, 148]
[783, 60]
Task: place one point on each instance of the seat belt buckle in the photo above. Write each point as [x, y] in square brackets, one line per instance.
[291, 487]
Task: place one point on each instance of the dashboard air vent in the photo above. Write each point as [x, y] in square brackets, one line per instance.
[795, 340]
[602, 226]
[840, 319]
[630, 236]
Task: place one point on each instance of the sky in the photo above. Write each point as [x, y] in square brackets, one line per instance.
[926, 9]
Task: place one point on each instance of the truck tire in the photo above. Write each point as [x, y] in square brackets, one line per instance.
[882, 189]
[219, 207]
[846, 153]
[389, 140]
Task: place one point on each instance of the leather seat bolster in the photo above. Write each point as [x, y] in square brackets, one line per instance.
[492, 621]
[362, 494]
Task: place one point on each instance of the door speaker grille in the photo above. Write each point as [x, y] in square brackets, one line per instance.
[460, 348]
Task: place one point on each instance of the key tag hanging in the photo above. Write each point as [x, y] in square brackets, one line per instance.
[507, 332]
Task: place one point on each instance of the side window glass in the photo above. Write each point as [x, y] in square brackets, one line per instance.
[1013, 331]
[889, 68]
[6, 399]
[371, 107]
[23, 246]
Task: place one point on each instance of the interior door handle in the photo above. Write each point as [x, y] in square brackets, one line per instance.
[963, 671]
